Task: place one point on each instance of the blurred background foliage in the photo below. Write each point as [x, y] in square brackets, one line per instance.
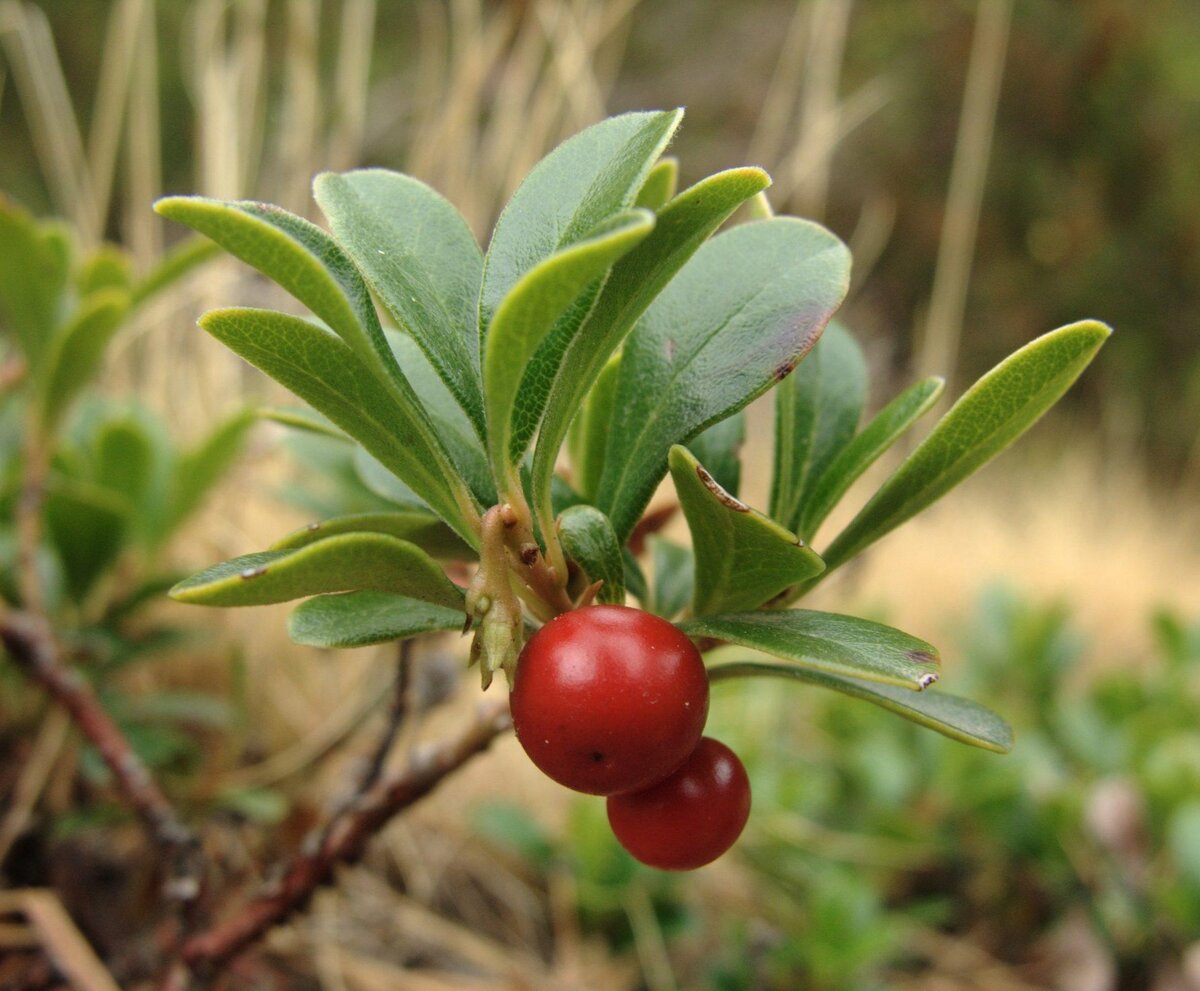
[879, 855]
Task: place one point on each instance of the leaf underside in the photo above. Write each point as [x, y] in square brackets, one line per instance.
[359, 619]
[951, 715]
[828, 642]
[346, 562]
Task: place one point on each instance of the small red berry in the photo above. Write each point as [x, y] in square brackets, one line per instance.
[609, 699]
[689, 819]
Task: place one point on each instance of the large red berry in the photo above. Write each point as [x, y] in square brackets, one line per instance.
[690, 818]
[609, 699]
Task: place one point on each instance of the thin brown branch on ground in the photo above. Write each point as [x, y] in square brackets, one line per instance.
[373, 765]
[33, 647]
[207, 952]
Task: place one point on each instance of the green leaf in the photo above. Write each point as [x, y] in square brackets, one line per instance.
[300, 257]
[34, 266]
[993, 413]
[107, 267]
[816, 412]
[635, 580]
[537, 380]
[132, 456]
[589, 430]
[681, 228]
[359, 619]
[420, 258]
[528, 312]
[75, 352]
[87, 525]
[175, 264]
[733, 322]
[659, 187]
[828, 642]
[125, 460]
[198, 471]
[450, 423]
[325, 373]
[583, 182]
[743, 559]
[958, 718]
[887, 426]
[718, 448]
[149, 592]
[375, 477]
[303, 420]
[425, 531]
[589, 541]
[674, 577]
[343, 563]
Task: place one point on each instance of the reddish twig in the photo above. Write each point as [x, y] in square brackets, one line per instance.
[207, 952]
[32, 645]
[650, 524]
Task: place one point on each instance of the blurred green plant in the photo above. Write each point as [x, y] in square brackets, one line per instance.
[92, 490]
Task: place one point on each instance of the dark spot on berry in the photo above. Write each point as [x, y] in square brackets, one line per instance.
[597, 757]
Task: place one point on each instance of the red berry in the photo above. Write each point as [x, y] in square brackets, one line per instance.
[609, 699]
[689, 819]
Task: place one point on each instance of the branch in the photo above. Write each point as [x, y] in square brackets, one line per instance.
[207, 952]
[32, 645]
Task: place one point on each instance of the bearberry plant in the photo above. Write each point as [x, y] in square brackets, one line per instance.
[609, 317]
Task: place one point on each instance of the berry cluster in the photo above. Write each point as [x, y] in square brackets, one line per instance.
[612, 701]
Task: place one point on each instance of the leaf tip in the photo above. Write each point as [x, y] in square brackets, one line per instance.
[168, 206]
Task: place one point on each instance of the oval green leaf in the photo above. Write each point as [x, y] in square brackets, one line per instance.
[450, 423]
[828, 642]
[951, 715]
[993, 413]
[88, 526]
[299, 256]
[359, 619]
[719, 449]
[76, 350]
[885, 428]
[342, 563]
[682, 226]
[743, 559]
[816, 412]
[580, 184]
[529, 311]
[425, 531]
[734, 321]
[589, 541]
[324, 372]
[34, 267]
[674, 577]
[659, 187]
[419, 256]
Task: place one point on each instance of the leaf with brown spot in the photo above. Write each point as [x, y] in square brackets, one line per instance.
[743, 559]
